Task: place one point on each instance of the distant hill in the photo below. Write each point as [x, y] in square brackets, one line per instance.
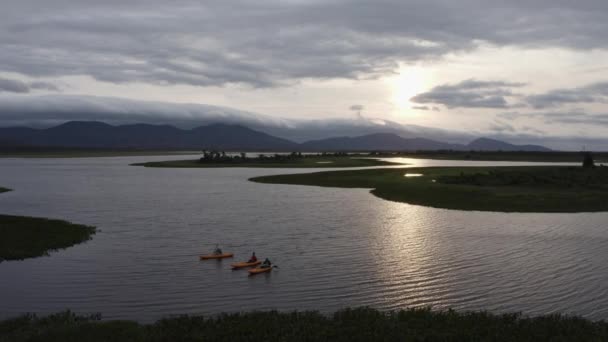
[393, 142]
[91, 134]
[486, 144]
[378, 141]
[99, 135]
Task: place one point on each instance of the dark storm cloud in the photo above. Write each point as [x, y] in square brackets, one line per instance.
[269, 43]
[47, 110]
[469, 94]
[17, 86]
[594, 93]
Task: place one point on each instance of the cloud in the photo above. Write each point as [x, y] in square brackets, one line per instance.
[356, 108]
[272, 43]
[594, 93]
[421, 107]
[43, 86]
[502, 127]
[13, 86]
[16, 86]
[49, 110]
[561, 117]
[470, 94]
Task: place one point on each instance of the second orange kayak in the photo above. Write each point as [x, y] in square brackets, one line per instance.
[244, 264]
[217, 256]
[258, 270]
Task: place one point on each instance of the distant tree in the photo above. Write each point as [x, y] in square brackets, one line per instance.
[588, 161]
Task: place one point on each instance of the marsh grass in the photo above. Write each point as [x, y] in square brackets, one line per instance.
[359, 324]
[27, 237]
[502, 189]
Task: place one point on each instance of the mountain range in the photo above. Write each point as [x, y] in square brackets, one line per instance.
[99, 135]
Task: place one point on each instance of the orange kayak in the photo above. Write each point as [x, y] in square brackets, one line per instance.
[258, 270]
[244, 264]
[217, 256]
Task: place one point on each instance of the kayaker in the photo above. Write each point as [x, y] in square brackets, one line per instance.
[253, 258]
[266, 264]
[217, 251]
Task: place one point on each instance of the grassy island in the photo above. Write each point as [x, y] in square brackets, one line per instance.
[4, 189]
[27, 237]
[271, 161]
[362, 324]
[504, 189]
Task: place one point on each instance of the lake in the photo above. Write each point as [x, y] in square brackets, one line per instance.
[335, 247]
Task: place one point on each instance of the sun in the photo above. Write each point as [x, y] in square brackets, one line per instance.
[411, 80]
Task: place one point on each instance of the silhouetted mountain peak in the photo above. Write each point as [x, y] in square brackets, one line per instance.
[94, 134]
[81, 125]
[487, 144]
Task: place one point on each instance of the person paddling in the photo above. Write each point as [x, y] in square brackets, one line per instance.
[217, 251]
[266, 264]
[253, 258]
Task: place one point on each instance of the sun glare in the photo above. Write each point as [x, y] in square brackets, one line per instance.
[410, 81]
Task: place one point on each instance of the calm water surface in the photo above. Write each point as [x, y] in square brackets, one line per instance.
[335, 247]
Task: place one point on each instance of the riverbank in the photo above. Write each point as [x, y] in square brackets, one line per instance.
[28, 237]
[361, 324]
[502, 189]
[306, 162]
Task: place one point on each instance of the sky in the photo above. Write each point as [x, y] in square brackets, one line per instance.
[526, 69]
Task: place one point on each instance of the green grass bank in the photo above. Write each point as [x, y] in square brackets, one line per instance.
[502, 189]
[361, 324]
[28, 237]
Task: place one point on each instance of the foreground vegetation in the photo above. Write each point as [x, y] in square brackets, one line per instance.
[362, 324]
[27, 237]
[505, 189]
[293, 160]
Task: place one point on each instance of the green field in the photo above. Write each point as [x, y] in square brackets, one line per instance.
[307, 162]
[362, 324]
[503, 189]
[27, 237]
